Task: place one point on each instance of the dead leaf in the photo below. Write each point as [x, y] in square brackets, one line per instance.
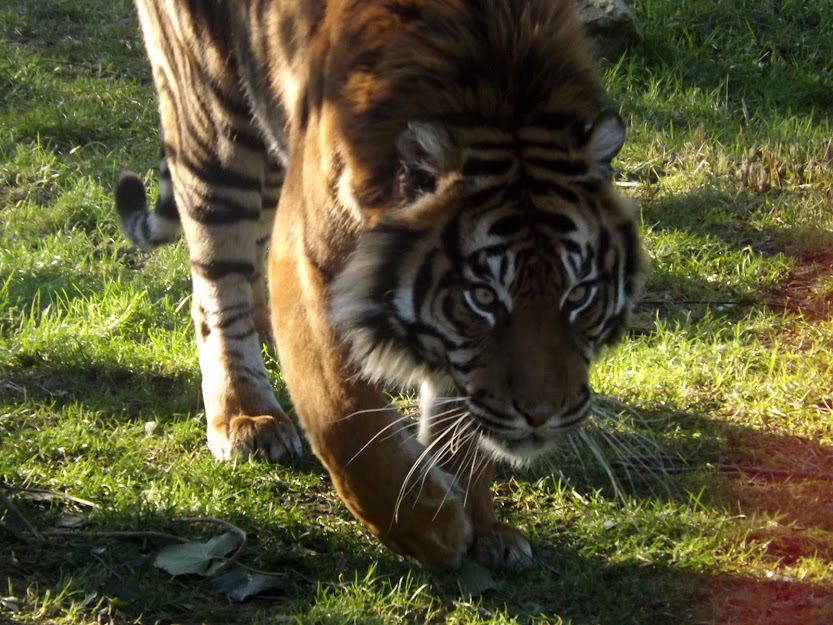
[195, 557]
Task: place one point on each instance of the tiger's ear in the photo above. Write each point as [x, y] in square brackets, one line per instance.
[426, 151]
[605, 137]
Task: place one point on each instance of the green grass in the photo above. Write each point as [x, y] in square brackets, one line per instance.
[728, 369]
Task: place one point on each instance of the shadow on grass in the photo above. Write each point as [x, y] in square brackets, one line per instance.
[113, 393]
[57, 283]
[688, 458]
[784, 477]
[319, 566]
[760, 59]
[591, 590]
[86, 369]
[713, 241]
[782, 483]
[717, 215]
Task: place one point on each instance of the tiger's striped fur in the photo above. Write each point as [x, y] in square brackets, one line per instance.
[446, 217]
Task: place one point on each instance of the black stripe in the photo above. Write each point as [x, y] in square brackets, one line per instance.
[485, 197]
[451, 242]
[537, 186]
[549, 122]
[562, 166]
[603, 245]
[214, 174]
[245, 210]
[504, 267]
[217, 269]
[250, 140]
[419, 328]
[505, 226]
[627, 232]
[481, 166]
[226, 322]
[228, 213]
[555, 221]
[232, 105]
[241, 336]
[226, 309]
[612, 324]
[166, 205]
[196, 134]
[423, 280]
[572, 247]
[466, 368]
[494, 419]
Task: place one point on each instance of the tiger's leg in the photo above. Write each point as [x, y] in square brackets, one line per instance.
[364, 444]
[219, 171]
[229, 311]
[496, 544]
[271, 193]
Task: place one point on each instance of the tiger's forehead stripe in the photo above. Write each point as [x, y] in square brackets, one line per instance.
[530, 177]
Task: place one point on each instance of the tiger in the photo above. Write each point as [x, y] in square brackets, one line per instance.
[427, 187]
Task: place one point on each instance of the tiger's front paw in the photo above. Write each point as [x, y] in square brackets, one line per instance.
[502, 546]
[437, 538]
[267, 437]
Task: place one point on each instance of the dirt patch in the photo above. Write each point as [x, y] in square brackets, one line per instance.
[774, 601]
[808, 287]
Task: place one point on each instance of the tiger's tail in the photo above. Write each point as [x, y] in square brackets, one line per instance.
[143, 227]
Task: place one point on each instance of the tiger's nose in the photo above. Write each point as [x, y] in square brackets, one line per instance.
[537, 415]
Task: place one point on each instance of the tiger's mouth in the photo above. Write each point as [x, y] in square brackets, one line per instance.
[517, 441]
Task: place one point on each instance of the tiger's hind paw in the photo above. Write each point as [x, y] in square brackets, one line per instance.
[502, 546]
[269, 438]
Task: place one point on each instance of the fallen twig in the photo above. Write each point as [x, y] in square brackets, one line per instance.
[51, 494]
[115, 534]
[11, 507]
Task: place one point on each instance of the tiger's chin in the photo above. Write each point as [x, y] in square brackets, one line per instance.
[525, 450]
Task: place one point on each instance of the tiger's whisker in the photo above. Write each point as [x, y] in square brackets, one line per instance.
[597, 453]
[368, 411]
[395, 422]
[456, 438]
[438, 454]
[475, 473]
[632, 453]
[574, 440]
[614, 444]
[467, 436]
[404, 491]
[440, 418]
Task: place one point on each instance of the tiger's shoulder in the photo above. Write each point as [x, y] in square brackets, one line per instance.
[366, 69]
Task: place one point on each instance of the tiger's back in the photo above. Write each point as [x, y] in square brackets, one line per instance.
[446, 216]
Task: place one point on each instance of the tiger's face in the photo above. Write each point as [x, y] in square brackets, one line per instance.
[508, 264]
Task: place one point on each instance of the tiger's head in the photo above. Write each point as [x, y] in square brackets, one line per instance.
[508, 261]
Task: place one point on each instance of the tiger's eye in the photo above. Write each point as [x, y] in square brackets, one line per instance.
[484, 296]
[578, 294]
